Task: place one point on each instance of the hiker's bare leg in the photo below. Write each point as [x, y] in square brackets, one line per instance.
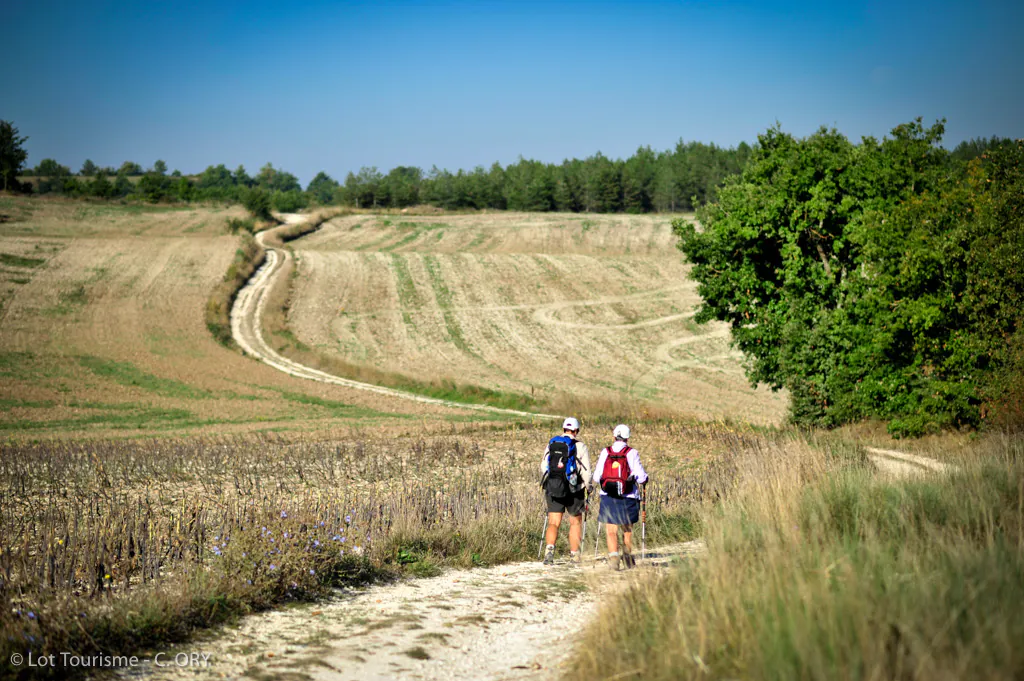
[612, 532]
[551, 536]
[627, 539]
[575, 531]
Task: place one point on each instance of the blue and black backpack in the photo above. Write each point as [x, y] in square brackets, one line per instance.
[562, 478]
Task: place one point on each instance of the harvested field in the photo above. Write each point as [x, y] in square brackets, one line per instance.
[562, 308]
[103, 332]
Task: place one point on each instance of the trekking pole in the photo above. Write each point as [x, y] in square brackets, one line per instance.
[543, 531]
[643, 522]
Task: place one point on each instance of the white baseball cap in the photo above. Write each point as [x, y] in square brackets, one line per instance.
[621, 431]
[570, 424]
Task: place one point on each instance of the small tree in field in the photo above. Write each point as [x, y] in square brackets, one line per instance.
[257, 201]
[12, 155]
[130, 168]
[321, 188]
[88, 168]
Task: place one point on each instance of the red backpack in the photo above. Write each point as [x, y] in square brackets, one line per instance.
[616, 480]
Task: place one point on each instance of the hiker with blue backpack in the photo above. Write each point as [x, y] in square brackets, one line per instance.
[621, 478]
[565, 478]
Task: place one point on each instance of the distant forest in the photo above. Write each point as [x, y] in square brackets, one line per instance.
[678, 179]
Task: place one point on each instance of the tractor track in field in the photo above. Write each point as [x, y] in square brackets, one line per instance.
[247, 331]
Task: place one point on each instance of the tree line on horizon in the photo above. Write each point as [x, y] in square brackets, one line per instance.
[675, 180]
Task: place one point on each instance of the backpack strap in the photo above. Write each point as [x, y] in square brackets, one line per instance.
[624, 452]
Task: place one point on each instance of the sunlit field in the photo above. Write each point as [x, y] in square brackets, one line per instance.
[552, 307]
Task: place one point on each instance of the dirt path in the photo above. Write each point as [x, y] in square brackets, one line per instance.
[903, 465]
[246, 329]
[506, 622]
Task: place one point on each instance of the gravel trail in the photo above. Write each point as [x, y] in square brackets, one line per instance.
[506, 622]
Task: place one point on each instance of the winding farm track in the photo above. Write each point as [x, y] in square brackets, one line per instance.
[247, 330]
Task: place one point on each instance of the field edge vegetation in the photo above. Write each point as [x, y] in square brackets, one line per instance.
[822, 569]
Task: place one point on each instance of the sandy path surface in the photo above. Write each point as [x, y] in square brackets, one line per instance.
[506, 622]
[246, 328]
[903, 465]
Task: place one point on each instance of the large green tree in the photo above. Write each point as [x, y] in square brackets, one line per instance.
[785, 256]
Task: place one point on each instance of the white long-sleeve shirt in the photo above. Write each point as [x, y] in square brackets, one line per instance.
[636, 469]
[582, 457]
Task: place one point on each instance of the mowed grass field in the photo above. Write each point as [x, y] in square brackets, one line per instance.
[562, 308]
[102, 331]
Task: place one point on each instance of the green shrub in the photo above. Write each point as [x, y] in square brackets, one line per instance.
[290, 201]
[257, 202]
[236, 225]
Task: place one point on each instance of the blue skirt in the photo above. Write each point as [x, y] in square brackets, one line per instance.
[623, 511]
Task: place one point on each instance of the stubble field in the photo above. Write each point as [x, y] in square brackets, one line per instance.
[561, 308]
[103, 331]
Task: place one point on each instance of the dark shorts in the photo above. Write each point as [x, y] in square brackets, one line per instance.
[572, 504]
[619, 511]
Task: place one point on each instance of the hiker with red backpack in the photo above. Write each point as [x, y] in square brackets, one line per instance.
[565, 477]
[620, 476]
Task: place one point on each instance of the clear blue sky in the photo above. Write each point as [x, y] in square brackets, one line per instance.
[338, 85]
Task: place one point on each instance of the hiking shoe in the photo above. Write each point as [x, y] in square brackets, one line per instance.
[549, 556]
[574, 559]
[613, 562]
[628, 561]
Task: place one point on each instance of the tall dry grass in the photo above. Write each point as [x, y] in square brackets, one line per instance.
[819, 569]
